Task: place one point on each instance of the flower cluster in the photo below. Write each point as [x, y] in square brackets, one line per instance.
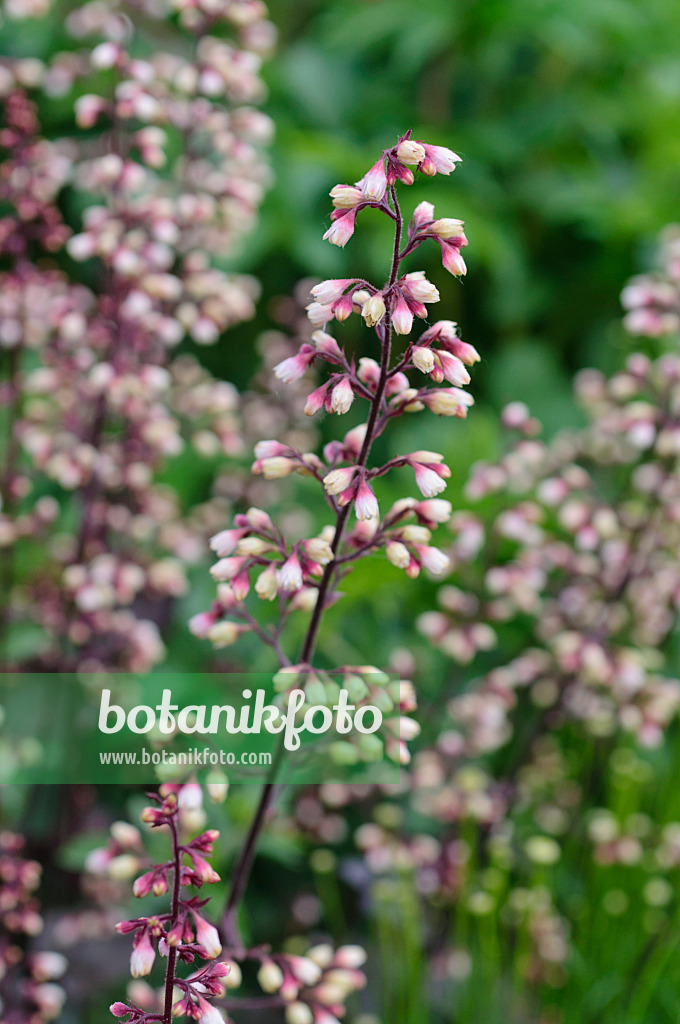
[652, 301]
[96, 403]
[183, 934]
[28, 979]
[300, 573]
[315, 986]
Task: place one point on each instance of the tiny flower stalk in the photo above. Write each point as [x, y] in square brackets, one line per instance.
[305, 574]
[181, 935]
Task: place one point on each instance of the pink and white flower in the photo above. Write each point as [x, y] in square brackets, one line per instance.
[365, 502]
[373, 185]
[342, 228]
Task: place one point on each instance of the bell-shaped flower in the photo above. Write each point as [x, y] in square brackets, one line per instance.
[374, 183]
[402, 317]
[365, 502]
[342, 228]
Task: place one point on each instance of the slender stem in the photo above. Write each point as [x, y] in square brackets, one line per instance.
[174, 911]
[244, 864]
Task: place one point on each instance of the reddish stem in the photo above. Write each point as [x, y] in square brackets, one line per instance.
[244, 864]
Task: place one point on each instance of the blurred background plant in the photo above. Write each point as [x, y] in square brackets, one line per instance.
[532, 877]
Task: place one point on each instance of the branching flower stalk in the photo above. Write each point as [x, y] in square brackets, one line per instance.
[182, 934]
[305, 574]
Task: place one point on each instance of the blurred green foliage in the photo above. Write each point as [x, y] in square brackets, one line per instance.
[566, 116]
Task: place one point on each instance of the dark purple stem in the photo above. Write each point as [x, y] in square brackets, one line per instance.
[174, 912]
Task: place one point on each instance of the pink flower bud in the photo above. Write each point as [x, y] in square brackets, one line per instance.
[316, 400]
[453, 369]
[373, 310]
[289, 576]
[293, 368]
[269, 449]
[143, 955]
[423, 214]
[331, 290]
[204, 870]
[343, 307]
[342, 229]
[240, 585]
[338, 479]
[365, 502]
[326, 345]
[432, 559]
[428, 480]
[209, 1014]
[227, 568]
[452, 259]
[402, 317]
[119, 1009]
[200, 624]
[448, 402]
[341, 397]
[142, 886]
[346, 197]
[443, 160]
[224, 543]
[374, 183]
[207, 936]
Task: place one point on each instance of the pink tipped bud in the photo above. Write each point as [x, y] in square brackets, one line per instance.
[442, 159]
[326, 344]
[448, 228]
[209, 1014]
[338, 479]
[449, 402]
[343, 307]
[204, 870]
[341, 397]
[224, 543]
[346, 197]
[428, 480]
[289, 576]
[374, 183]
[142, 886]
[452, 259]
[143, 955]
[453, 369]
[423, 214]
[119, 1009]
[434, 511]
[342, 229]
[269, 449]
[410, 152]
[432, 559]
[240, 585]
[402, 317]
[293, 368]
[467, 354]
[423, 359]
[316, 400]
[365, 502]
[320, 313]
[207, 936]
[227, 568]
[331, 290]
